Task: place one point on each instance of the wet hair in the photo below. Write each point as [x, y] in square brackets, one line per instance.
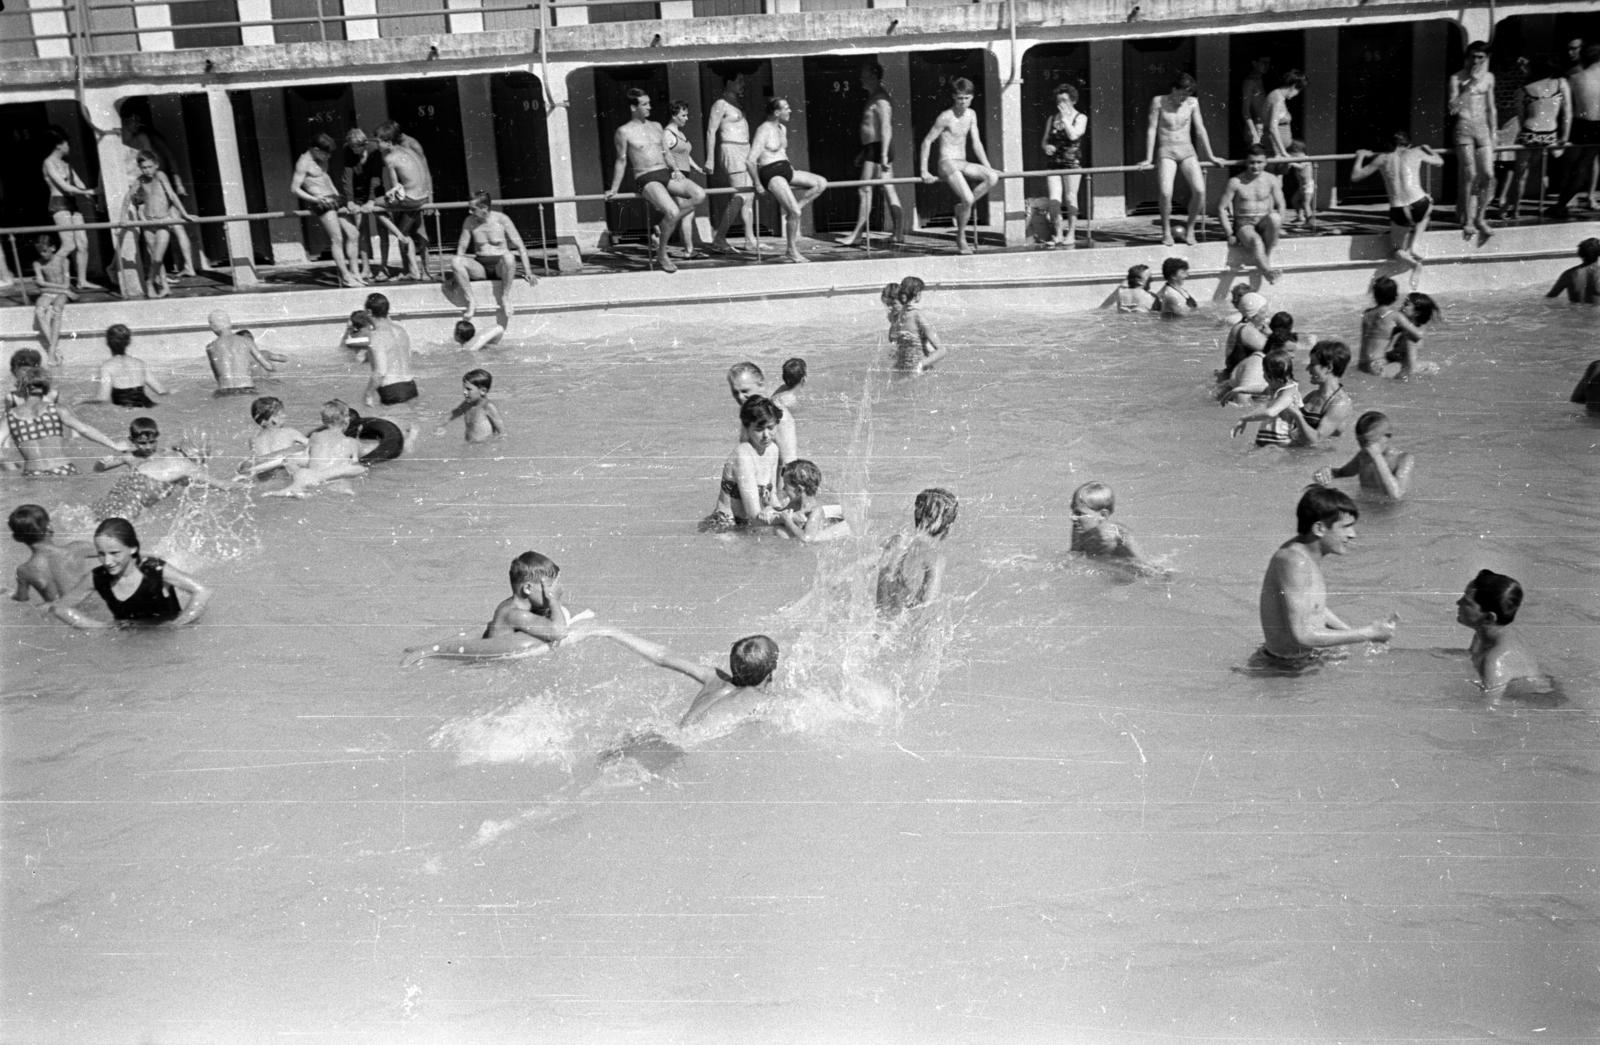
[676, 106]
[478, 378]
[265, 409]
[34, 381]
[1475, 47]
[1137, 275]
[1172, 266]
[1399, 140]
[143, 426]
[146, 154]
[758, 411]
[775, 103]
[378, 306]
[746, 367]
[803, 475]
[121, 531]
[1423, 307]
[1323, 504]
[910, 289]
[118, 338]
[1385, 291]
[1589, 250]
[30, 524]
[1239, 290]
[1096, 495]
[1332, 354]
[354, 134]
[336, 413]
[1278, 365]
[23, 358]
[1067, 89]
[634, 94]
[323, 142]
[1295, 78]
[1497, 594]
[794, 372]
[361, 319]
[752, 660]
[934, 511]
[1367, 422]
[1281, 321]
[891, 295]
[531, 566]
[960, 85]
[464, 331]
[1184, 82]
[874, 68]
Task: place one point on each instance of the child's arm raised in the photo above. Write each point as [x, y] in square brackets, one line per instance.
[658, 655]
[1396, 480]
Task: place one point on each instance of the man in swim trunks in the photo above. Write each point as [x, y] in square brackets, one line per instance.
[408, 185]
[727, 149]
[1171, 133]
[389, 353]
[954, 129]
[1251, 210]
[640, 144]
[1295, 619]
[1584, 85]
[876, 158]
[1409, 206]
[769, 165]
[232, 354]
[491, 235]
[314, 187]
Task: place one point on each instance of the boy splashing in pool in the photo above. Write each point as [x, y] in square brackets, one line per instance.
[1094, 534]
[911, 568]
[742, 688]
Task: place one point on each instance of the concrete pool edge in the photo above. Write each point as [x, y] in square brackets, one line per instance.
[1083, 279]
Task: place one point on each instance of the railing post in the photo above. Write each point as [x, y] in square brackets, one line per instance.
[1088, 207]
[322, 25]
[16, 269]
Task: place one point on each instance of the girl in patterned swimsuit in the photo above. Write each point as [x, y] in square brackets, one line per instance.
[152, 476]
[1281, 416]
[917, 347]
[38, 426]
[1063, 148]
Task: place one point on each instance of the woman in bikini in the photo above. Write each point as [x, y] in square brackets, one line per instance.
[1175, 126]
[1471, 102]
[153, 199]
[1545, 110]
[680, 157]
[37, 424]
[70, 200]
[1328, 410]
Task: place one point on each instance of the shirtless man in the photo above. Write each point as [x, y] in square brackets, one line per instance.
[1409, 206]
[728, 155]
[491, 235]
[876, 158]
[1253, 99]
[1251, 210]
[640, 144]
[1585, 89]
[139, 138]
[314, 187]
[408, 185]
[389, 354]
[954, 128]
[1295, 618]
[232, 355]
[769, 165]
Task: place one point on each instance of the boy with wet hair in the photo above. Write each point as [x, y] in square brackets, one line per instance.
[52, 277]
[1380, 468]
[329, 454]
[911, 566]
[1488, 607]
[482, 418]
[1095, 535]
[274, 441]
[467, 336]
[1295, 619]
[52, 569]
[804, 518]
[534, 608]
[1581, 282]
[751, 662]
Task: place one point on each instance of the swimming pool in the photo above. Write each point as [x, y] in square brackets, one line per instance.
[1058, 810]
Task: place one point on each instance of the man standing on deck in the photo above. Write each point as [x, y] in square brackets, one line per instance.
[409, 185]
[640, 143]
[313, 187]
[1585, 84]
[1253, 99]
[728, 155]
[876, 158]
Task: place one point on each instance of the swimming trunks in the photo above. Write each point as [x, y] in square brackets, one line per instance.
[63, 203]
[154, 601]
[397, 392]
[1538, 139]
[1069, 151]
[1176, 152]
[237, 390]
[733, 158]
[777, 169]
[661, 175]
[1411, 214]
[323, 206]
[130, 496]
[131, 397]
[50, 473]
[391, 441]
[874, 153]
[33, 429]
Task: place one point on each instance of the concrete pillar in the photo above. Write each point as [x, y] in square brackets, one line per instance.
[1321, 107]
[783, 7]
[571, 115]
[1211, 67]
[272, 134]
[1105, 128]
[880, 4]
[483, 172]
[256, 11]
[465, 16]
[241, 251]
[100, 109]
[788, 81]
[1430, 41]
[361, 29]
[157, 17]
[1004, 144]
[1477, 21]
[577, 14]
[897, 81]
[47, 18]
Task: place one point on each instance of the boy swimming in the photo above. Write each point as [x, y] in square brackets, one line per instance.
[1095, 535]
[481, 417]
[911, 566]
[329, 454]
[531, 620]
[1381, 468]
[274, 441]
[743, 687]
[51, 569]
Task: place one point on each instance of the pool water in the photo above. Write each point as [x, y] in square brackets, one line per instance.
[1057, 807]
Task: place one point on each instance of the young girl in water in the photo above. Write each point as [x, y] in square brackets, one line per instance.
[37, 424]
[917, 345]
[1379, 323]
[124, 380]
[1381, 468]
[136, 589]
[1488, 607]
[1280, 418]
[1418, 310]
[1135, 295]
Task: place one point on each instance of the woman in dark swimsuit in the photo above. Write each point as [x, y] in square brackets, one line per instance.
[124, 380]
[136, 589]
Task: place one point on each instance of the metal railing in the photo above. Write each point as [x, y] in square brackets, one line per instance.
[1538, 197]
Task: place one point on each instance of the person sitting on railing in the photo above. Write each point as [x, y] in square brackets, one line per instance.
[1175, 125]
[1251, 211]
[491, 235]
[152, 199]
[409, 191]
[314, 187]
[1409, 206]
[641, 145]
[680, 157]
[954, 128]
[70, 200]
[769, 165]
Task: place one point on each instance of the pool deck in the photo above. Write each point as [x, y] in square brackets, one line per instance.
[1339, 262]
